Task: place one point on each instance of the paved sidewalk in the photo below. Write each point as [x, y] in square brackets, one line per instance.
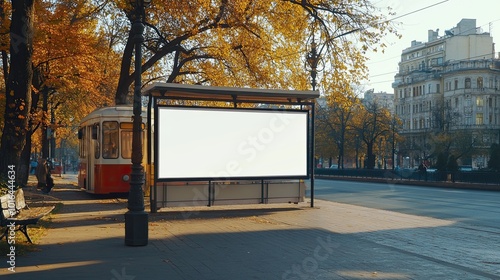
[278, 241]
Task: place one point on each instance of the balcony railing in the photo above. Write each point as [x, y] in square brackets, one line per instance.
[483, 90]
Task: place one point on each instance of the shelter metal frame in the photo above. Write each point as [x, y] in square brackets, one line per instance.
[168, 92]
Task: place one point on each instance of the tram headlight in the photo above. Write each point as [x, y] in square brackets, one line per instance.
[125, 178]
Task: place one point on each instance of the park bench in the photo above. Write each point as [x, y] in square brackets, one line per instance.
[18, 214]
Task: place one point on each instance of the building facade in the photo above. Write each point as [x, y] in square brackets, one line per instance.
[449, 86]
[384, 99]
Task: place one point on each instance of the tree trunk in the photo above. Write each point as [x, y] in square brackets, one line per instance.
[370, 157]
[356, 156]
[24, 161]
[3, 46]
[45, 109]
[5, 66]
[18, 88]
[126, 78]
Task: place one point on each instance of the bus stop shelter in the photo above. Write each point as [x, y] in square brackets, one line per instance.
[222, 145]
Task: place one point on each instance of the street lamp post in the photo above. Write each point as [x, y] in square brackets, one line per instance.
[393, 127]
[313, 59]
[136, 219]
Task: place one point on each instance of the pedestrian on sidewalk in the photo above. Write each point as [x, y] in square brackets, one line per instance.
[49, 183]
[422, 170]
[33, 165]
[42, 170]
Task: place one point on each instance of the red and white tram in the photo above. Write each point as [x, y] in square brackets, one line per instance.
[105, 142]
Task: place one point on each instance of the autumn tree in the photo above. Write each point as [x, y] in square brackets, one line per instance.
[460, 144]
[66, 76]
[4, 50]
[74, 70]
[4, 43]
[374, 122]
[335, 119]
[18, 86]
[251, 42]
[221, 43]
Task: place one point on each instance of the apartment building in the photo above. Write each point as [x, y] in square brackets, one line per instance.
[449, 84]
[384, 99]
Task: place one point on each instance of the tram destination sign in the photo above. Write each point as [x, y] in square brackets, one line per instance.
[199, 143]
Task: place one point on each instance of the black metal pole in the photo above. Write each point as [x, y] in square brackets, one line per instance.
[313, 59]
[313, 164]
[136, 219]
[151, 181]
[393, 143]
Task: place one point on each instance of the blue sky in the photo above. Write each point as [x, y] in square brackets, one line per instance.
[435, 14]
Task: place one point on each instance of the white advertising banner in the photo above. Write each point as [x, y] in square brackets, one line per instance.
[221, 144]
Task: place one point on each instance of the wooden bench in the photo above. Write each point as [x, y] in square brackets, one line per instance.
[16, 213]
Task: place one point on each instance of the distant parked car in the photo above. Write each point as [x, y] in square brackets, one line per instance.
[465, 168]
[334, 166]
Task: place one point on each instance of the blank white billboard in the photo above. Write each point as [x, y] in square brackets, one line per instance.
[220, 144]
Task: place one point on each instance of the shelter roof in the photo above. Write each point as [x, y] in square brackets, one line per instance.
[228, 94]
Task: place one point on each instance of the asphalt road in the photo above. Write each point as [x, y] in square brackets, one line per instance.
[468, 207]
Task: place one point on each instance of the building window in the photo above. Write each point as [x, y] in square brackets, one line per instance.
[437, 88]
[467, 82]
[480, 82]
[486, 139]
[479, 118]
[456, 84]
[479, 102]
[456, 102]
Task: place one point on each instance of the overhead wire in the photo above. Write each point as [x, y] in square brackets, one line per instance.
[416, 11]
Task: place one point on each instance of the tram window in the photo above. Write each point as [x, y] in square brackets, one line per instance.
[127, 143]
[95, 129]
[110, 139]
[81, 136]
[129, 125]
[95, 136]
[126, 137]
